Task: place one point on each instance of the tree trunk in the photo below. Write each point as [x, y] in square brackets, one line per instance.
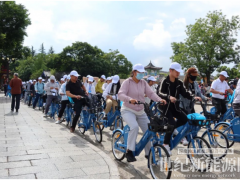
[208, 75]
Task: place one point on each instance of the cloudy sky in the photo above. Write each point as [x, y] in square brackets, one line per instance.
[142, 31]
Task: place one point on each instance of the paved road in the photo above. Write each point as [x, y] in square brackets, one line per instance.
[33, 142]
[34, 147]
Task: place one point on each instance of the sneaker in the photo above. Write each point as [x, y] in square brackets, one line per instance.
[45, 115]
[130, 157]
[16, 110]
[168, 149]
[184, 141]
[57, 122]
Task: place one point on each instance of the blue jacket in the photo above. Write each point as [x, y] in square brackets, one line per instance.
[39, 87]
[186, 103]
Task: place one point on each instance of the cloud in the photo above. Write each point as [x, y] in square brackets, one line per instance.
[142, 18]
[82, 30]
[152, 38]
[163, 15]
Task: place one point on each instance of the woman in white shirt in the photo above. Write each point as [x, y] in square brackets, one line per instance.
[108, 81]
[111, 95]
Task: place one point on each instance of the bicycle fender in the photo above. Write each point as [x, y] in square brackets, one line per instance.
[117, 130]
[227, 123]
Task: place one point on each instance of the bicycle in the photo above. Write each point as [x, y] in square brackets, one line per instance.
[55, 107]
[69, 113]
[214, 137]
[90, 117]
[114, 119]
[158, 159]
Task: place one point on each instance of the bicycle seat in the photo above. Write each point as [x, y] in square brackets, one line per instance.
[196, 116]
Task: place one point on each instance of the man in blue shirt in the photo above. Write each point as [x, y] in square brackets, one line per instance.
[39, 88]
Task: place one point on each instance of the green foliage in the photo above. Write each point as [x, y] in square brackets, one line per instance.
[211, 42]
[232, 72]
[14, 20]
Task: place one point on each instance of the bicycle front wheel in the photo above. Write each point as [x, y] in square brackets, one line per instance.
[98, 132]
[159, 162]
[218, 142]
[200, 154]
[225, 129]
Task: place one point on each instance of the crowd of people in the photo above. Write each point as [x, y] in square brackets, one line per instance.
[134, 89]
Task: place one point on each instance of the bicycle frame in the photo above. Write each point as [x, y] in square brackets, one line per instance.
[88, 119]
[148, 136]
[186, 130]
[112, 117]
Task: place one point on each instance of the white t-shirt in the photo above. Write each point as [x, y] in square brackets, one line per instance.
[219, 86]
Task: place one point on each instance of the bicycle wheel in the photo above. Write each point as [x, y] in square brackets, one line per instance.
[200, 154]
[100, 116]
[119, 155]
[219, 143]
[227, 131]
[118, 123]
[160, 166]
[81, 127]
[98, 132]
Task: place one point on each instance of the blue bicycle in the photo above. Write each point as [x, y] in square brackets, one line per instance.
[218, 141]
[114, 119]
[89, 118]
[69, 114]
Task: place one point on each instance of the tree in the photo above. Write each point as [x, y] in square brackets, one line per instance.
[211, 42]
[51, 51]
[42, 50]
[33, 52]
[14, 19]
[232, 72]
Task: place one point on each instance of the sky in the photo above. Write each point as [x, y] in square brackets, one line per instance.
[140, 30]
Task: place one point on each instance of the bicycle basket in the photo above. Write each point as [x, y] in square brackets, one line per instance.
[160, 125]
[196, 119]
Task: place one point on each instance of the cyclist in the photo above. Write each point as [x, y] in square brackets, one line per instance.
[90, 87]
[236, 101]
[32, 89]
[108, 81]
[218, 88]
[39, 88]
[51, 96]
[75, 90]
[132, 91]
[170, 89]
[151, 82]
[111, 100]
[64, 99]
[100, 83]
[191, 85]
[27, 89]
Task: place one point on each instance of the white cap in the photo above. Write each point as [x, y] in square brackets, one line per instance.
[74, 73]
[88, 76]
[151, 78]
[30, 81]
[109, 78]
[103, 76]
[34, 80]
[43, 80]
[39, 78]
[115, 79]
[68, 77]
[65, 76]
[23, 83]
[27, 81]
[224, 73]
[139, 68]
[90, 79]
[176, 66]
[62, 79]
[52, 77]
